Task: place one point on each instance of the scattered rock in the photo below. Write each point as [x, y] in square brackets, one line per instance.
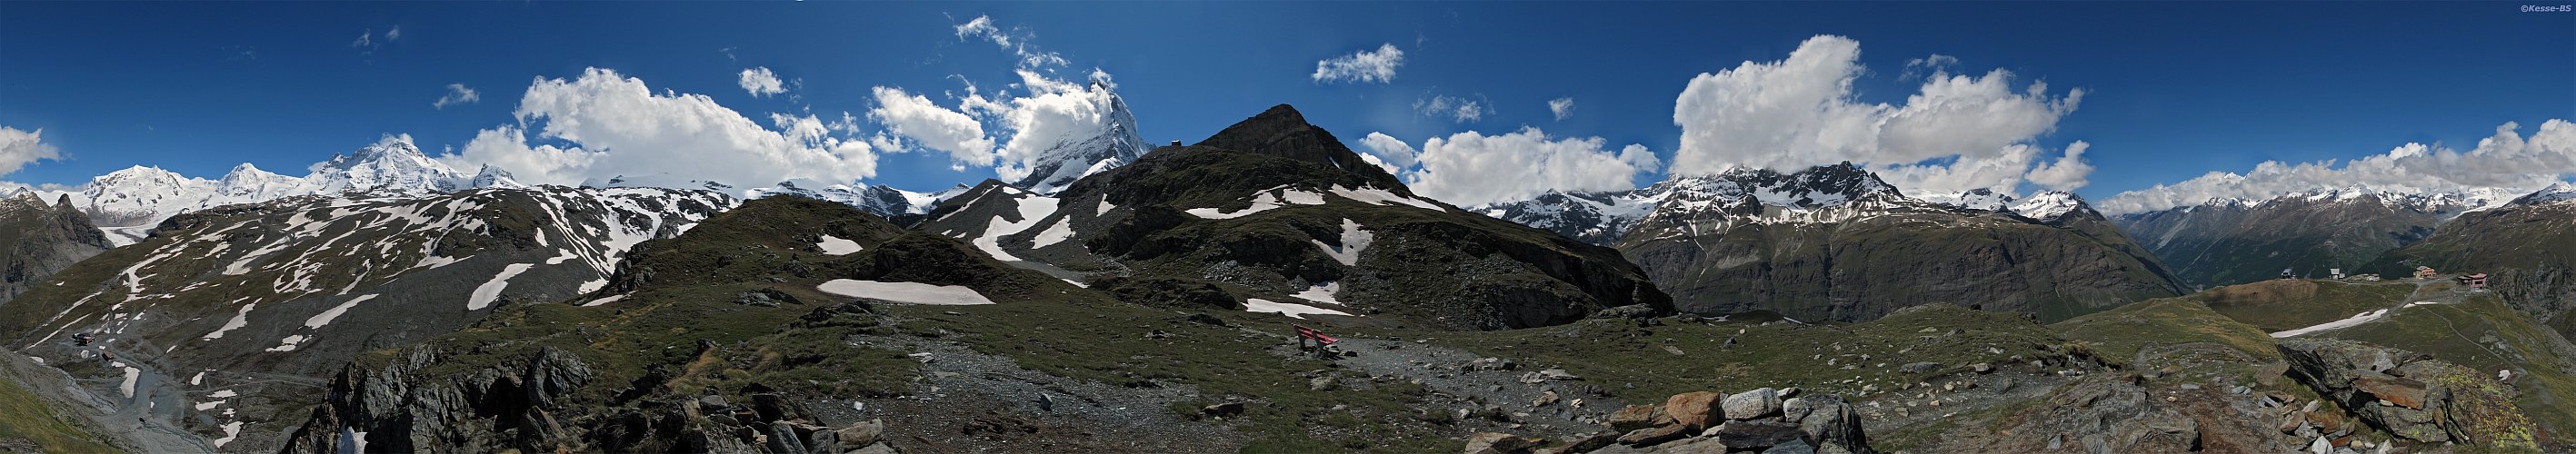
[1922, 367]
[1499, 443]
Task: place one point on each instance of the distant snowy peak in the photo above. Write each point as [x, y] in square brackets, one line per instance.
[2560, 193]
[2049, 205]
[1108, 141]
[390, 165]
[1974, 199]
[880, 200]
[1814, 188]
[1593, 217]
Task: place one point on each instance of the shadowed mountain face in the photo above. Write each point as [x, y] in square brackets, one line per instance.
[37, 240]
[251, 306]
[2311, 233]
[1275, 214]
[1834, 242]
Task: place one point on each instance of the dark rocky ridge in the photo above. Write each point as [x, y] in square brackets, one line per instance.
[37, 240]
[2233, 243]
[1428, 262]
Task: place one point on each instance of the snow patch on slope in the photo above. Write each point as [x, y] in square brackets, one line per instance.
[838, 246]
[1354, 239]
[905, 292]
[1292, 310]
[490, 291]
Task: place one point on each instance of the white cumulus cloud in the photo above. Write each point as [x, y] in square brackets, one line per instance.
[1957, 132]
[612, 125]
[1470, 168]
[2507, 162]
[1365, 66]
[1388, 151]
[761, 82]
[457, 94]
[1562, 107]
[19, 148]
[934, 127]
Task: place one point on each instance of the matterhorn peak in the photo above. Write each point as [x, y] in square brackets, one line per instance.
[1107, 141]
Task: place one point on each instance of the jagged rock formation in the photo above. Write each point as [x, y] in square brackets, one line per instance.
[2411, 396]
[2527, 245]
[2233, 241]
[1274, 214]
[1835, 242]
[37, 240]
[243, 309]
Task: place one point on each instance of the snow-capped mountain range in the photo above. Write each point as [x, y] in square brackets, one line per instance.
[2421, 200]
[1603, 217]
[128, 203]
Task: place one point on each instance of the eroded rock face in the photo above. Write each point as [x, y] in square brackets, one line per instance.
[2411, 395]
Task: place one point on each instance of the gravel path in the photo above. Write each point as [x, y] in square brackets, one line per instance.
[1459, 381]
[973, 402]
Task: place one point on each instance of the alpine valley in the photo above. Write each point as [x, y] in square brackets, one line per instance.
[1122, 297]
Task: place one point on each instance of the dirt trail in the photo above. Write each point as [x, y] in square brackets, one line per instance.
[968, 401]
[140, 423]
[1458, 381]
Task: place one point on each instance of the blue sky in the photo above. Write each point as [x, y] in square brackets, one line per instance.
[2171, 90]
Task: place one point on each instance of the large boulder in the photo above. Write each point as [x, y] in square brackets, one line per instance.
[2410, 395]
[1828, 423]
[1692, 409]
[1752, 404]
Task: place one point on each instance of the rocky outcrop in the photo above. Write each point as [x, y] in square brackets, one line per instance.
[1751, 421]
[526, 405]
[2411, 395]
[38, 240]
